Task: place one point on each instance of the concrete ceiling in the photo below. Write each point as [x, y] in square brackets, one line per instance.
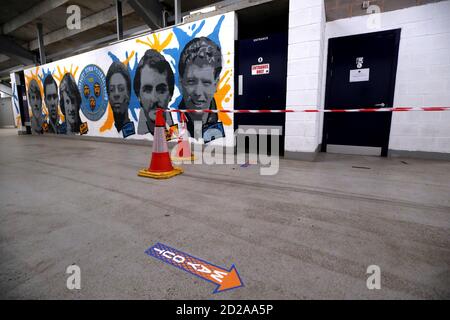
[18, 20]
[53, 20]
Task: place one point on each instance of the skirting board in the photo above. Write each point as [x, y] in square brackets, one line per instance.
[419, 155]
[100, 139]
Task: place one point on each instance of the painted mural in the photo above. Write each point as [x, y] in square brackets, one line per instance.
[115, 91]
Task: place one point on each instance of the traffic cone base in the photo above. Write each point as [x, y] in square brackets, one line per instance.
[160, 164]
[160, 175]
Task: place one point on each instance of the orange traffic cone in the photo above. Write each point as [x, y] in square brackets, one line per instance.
[160, 164]
[183, 151]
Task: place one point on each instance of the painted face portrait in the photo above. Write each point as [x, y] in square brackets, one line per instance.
[118, 85]
[118, 94]
[51, 100]
[199, 68]
[154, 91]
[199, 85]
[97, 89]
[92, 103]
[35, 99]
[86, 90]
[70, 102]
[70, 107]
[153, 83]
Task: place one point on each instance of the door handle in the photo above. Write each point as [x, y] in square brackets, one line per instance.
[382, 105]
[240, 85]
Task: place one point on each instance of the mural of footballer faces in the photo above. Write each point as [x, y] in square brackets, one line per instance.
[118, 85]
[35, 101]
[199, 69]
[70, 102]
[51, 101]
[153, 84]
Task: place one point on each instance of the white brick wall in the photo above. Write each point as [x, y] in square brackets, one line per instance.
[423, 74]
[305, 54]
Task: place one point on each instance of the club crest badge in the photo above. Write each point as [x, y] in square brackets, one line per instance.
[94, 98]
[359, 62]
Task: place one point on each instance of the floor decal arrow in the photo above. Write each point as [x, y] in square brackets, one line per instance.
[223, 278]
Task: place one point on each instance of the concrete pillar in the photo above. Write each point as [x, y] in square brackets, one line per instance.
[41, 44]
[177, 11]
[119, 22]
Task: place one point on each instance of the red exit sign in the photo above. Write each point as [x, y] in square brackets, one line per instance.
[260, 69]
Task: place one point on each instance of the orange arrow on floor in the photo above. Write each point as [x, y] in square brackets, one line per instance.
[230, 281]
[223, 278]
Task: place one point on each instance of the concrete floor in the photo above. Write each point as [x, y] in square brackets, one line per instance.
[311, 231]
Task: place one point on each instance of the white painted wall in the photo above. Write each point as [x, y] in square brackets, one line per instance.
[15, 101]
[5, 91]
[423, 74]
[304, 78]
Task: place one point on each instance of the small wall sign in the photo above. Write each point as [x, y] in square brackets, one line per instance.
[258, 69]
[359, 75]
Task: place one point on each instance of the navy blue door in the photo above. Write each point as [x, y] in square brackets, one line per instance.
[23, 103]
[361, 74]
[261, 70]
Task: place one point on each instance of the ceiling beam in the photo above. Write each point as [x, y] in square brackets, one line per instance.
[177, 11]
[87, 23]
[150, 11]
[5, 73]
[3, 58]
[221, 8]
[14, 51]
[119, 22]
[31, 14]
[41, 43]
[97, 42]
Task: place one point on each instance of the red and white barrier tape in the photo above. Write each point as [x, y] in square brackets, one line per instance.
[396, 109]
